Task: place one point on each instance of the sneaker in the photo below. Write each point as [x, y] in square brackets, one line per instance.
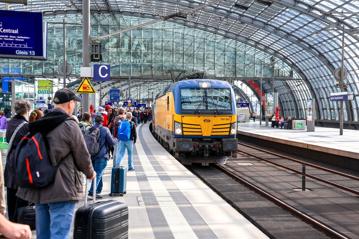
[131, 169]
[98, 196]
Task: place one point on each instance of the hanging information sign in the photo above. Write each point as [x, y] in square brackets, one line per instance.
[22, 35]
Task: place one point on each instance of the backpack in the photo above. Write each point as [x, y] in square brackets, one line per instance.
[124, 130]
[84, 127]
[33, 165]
[92, 140]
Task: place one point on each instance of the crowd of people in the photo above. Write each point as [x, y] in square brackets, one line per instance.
[77, 144]
[281, 122]
[277, 121]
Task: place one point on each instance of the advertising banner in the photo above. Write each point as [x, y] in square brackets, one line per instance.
[22, 35]
[44, 87]
[6, 83]
[298, 124]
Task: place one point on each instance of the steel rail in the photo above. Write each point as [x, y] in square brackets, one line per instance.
[302, 162]
[307, 218]
[307, 175]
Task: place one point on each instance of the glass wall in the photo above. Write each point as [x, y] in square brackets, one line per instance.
[160, 50]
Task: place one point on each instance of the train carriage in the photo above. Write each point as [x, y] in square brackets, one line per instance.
[197, 118]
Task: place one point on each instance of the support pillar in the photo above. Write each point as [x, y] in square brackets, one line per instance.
[85, 47]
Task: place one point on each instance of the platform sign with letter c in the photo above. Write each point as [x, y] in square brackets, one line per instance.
[101, 72]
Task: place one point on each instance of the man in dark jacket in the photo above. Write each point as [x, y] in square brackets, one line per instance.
[55, 204]
[133, 136]
[99, 161]
[19, 122]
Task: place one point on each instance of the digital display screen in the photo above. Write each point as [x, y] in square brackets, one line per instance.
[22, 35]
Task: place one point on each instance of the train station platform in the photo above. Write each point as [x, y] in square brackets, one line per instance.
[324, 140]
[166, 201]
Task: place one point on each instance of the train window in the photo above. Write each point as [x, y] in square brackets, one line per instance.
[164, 91]
[213, 99]
[168, 103]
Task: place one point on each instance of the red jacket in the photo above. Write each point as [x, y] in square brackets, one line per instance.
[105, 120]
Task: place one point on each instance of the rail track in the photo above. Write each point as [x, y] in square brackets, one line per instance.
[297, 198]
[330, 231]
[311, 184]
[340, 175]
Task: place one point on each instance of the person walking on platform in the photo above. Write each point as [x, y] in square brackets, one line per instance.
[125, 143]
[118, 119]
[133, 139]
[16, 129]
[3, 121]
[85, 122]
[136, 116]
[35, 115]
[55, 203]
[2, 188]
[110, 114]
[103, 112]
[99, 161]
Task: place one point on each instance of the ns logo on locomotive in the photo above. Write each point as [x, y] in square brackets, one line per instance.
[197, 118]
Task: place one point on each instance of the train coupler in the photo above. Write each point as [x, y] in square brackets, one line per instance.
[206, 151]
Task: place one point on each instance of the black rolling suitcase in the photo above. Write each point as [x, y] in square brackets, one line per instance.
[27, 215]
[101, 220]
[118, 181]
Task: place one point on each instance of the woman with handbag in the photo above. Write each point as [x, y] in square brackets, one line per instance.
[17, 128]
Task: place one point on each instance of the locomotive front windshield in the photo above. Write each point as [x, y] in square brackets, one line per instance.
[206, 100]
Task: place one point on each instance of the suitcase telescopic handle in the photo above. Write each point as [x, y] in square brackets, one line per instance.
[88, 181]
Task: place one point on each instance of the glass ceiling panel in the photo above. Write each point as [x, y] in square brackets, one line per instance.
[306, 21]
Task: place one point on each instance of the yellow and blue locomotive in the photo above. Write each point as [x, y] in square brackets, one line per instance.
[197, 117]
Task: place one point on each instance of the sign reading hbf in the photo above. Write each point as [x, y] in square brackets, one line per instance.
[101, 72]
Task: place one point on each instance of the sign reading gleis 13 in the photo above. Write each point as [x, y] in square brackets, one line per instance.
[22, 35]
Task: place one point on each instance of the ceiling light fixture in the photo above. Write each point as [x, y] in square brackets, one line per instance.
[240, 6]
[265, 2]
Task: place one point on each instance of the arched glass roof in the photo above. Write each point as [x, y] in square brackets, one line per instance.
[307, 34]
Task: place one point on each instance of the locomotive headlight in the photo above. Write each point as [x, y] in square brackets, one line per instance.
[178, 128]
[204, 84]
[233, 128]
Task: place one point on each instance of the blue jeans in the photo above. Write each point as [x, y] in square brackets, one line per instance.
[122, 146]
[54, 220]
[99, 166]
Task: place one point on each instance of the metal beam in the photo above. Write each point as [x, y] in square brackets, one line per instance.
[85, 45]
[269, 50]
[244, 19]
[244, 95]
[247, 19]
[245, 40]
[109, 8]
[15, 1]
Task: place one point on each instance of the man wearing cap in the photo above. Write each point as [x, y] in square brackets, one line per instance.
[55, 204]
